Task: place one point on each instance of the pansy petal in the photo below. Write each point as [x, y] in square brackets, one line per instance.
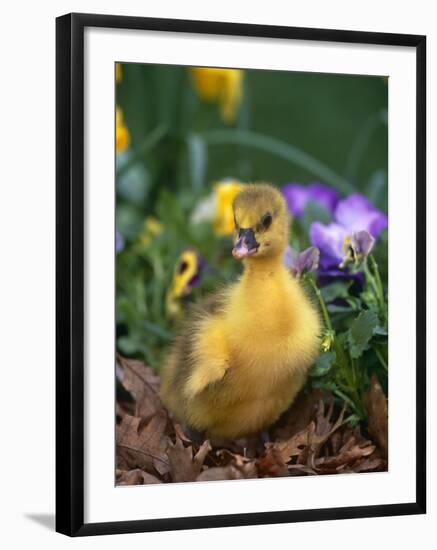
[296, 196]
[331, 275]
[308, 260]
[329, 240]
[378, 224]
[324, 195]
[357, 213]
[362, 243]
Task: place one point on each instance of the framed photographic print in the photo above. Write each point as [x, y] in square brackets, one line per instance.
[240, 274]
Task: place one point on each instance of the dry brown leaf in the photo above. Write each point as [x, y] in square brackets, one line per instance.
[122, 409]
[319, 432]
[305, 441]
[220, 473]
[291, 447]
[305, 445]
[335, 441]
[135, 477]
[272, 464]
[184, 464]
[345, 458]
[247, 466]
[296, 469]
[370, 465]
[143, 445]
[298, 416]
[377, 410]
[142, 383]
[181, 434]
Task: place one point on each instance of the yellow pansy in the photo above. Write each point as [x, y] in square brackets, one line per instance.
[186, 276]
[118, 72]
[223, 86]
[122, 136]
[151, 228]
[225, 193]
[216, 208]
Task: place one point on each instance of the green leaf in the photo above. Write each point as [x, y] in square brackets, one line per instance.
[127, 345]
[157, 330]
[323, 364]
[333, 308]
[352, 305]
[361, 332]
[285, 150]
[380, 331]
[128, 220]
[198, 160]
[377, 189]
[338, 289]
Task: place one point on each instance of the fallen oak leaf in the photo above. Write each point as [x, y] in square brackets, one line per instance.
[220, 473]
[305, 444]
[293, 446]
[345, 458]
[298, 416]
[247, 466]
[122, 409]
[336, 442]
[184, 464]
[369, 465]
[300, 468]
[319, 432]
[141, 444]
[135, 477]
[377, 411]
[277, 454]
[179, 431]
[272, 464]
[142, 383]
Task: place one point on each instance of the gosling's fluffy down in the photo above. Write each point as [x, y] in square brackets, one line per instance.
[243, 354]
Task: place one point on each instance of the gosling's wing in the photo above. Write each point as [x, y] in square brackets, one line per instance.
[203, 358]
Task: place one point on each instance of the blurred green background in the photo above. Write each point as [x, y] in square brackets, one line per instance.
[287, 127]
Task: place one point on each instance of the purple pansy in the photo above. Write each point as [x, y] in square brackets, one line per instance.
[306, 261]
[298, 196]
[356, 222]
[362, 243]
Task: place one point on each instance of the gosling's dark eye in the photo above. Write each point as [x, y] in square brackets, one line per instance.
[266, 220]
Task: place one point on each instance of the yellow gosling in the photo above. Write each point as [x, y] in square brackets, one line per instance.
[244, 353]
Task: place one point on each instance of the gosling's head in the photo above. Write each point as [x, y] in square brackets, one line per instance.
[261, 222]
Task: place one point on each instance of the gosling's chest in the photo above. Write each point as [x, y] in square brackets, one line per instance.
[262, 328]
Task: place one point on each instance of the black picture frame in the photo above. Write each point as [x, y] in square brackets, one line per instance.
[70, 273]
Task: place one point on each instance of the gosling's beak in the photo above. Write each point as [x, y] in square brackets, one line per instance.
[246, 244]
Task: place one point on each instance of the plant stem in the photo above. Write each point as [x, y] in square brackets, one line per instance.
[348, 400]
[281, 149]
[374, 279]
[377, 278]
[362, 142]
[346, 369]
[149, 142]
[322, 304]
[381, 358]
